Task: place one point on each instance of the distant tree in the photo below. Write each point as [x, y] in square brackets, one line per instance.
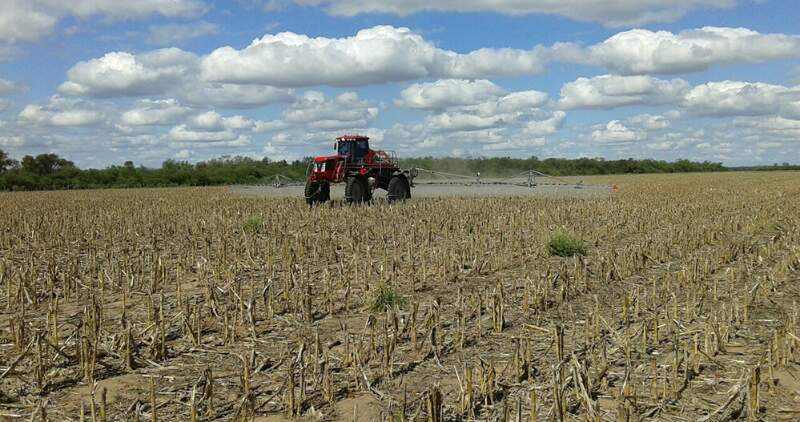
[45, 164]
[6, 163]
[129, 165]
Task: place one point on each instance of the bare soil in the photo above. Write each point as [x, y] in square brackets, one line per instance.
[683, 309]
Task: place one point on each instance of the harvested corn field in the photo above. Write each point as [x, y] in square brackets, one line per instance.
[678, 302]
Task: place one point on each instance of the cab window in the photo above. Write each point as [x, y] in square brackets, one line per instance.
[344, 148]
[362, 147]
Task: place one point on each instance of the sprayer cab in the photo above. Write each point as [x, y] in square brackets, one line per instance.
[361, 168]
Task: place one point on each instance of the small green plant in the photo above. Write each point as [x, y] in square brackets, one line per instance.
[252, 225]
[385, 298]
[563, 243]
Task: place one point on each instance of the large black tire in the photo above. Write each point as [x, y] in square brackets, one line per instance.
[325, 192]
[398, 189]
[317, 192]
[356, 190]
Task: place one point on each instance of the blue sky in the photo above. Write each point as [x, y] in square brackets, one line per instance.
[104, 81]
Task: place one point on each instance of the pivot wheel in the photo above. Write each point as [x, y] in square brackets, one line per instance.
[398, 189]
[356, 191]
[317, 192]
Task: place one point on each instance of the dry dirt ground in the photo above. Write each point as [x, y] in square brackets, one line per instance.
[173, 304]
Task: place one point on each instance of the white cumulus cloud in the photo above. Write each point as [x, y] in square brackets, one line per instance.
[170, 72]
[345, 111]
[649, 122]
[736, 98]
[184, 134]
[609, 91]
[641, 51]
[126, 74]
[60, 112]
[200, 93]
[9, 87]
[447, 93]
[211, 121]
[153, 113]
[615, 132]
[29, 20]
[549, 126]
[375, 55]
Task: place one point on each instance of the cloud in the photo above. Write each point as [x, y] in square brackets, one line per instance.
[172, 34]
[794, 75]
[8, 52]
[9, 87]
[459, 121]
[30, 20]
[490, 141]
[12, 141]
[311, 119]
[515, 144]
[483, 119]
[608, 12]
[735, 98]
[447, 93]
[513, 109]
[779, 127]
[649, 122]
[345, 111]
[262, 72]
[502, 123]
[640, 51]
[154, 113]
[548, 126]
[712, 99]
[608, 91]
[515, 102]
[20, 21]
[211, 121]
[184, 154]
[674, 139]
[615, 132]
[60, 112]
[124, 74]
[182, 134]
[170, 72]
[123, 10]
[200, 93]
[375, 55]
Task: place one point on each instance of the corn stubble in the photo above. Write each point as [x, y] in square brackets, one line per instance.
[167, 305]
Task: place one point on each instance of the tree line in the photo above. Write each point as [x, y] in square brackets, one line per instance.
[52, 172]
[505, 166]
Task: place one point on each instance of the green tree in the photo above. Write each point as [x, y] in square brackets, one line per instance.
[6, 163]
[45, 164]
